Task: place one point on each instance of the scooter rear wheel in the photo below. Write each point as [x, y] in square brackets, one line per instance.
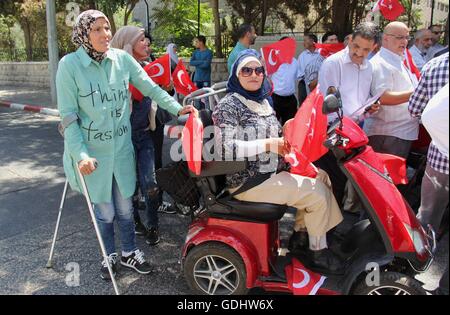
[215, 269]
[391, 283]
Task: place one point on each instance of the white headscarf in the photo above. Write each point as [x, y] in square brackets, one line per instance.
[171, 51]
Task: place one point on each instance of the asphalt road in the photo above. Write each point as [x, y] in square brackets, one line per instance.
[31, 184]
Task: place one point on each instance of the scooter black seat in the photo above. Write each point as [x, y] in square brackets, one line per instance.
[249, 211]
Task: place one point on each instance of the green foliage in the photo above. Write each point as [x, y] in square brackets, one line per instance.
[176, 21]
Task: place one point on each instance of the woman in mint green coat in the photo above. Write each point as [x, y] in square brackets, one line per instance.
[94, 105]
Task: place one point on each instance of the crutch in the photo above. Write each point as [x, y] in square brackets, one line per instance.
[94, 221]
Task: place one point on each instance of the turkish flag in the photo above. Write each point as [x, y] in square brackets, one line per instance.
[410, 65]
[306, 134]
[192, 142]
[302, 280]
[326, 50]
[159, 70]
[390, 9]
[181, 80]
[136, 95]
[278, 53]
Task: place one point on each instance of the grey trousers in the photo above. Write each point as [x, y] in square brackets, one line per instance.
[390, 145]
[434, 198]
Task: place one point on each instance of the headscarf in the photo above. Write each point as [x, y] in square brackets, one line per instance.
[126, 37]
[82, 29]
[234, 86]
[171, 51]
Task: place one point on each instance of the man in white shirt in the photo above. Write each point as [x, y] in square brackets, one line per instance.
[392, 129]
[436, 31]
[310, 54]
[422, 42]
[349, 72]
[284, 84]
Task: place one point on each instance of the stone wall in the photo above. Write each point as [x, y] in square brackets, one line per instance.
[36, 74]
[219, 70]
[33, 74]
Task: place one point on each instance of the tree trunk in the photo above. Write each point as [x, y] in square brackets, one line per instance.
[110, 15]
[128, 10]
[217, 32]
[28, 38]
[341, 18]
[264, 11]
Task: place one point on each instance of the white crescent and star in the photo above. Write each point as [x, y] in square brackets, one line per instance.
[160, 72]
[271, 62]
[305, 282]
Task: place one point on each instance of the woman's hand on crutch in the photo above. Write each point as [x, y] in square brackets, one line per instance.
[87, 166]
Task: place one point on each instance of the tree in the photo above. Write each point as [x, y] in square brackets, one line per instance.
[217, 28]
[177, 19]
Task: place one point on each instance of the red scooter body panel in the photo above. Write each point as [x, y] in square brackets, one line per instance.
[256, 248]
[350, 130]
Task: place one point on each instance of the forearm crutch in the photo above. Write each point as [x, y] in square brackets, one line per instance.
[94, 221]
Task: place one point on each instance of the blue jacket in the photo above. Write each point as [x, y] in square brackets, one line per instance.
[201, 60]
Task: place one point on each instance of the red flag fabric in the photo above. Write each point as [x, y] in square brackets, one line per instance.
[326, 50]
[304, 281]
[396, 167]
[410, 65]
[391, 9]
[181, 80]
[159, 70]
[192, 142]
[278, 53]
[136, 95]
[307, 132]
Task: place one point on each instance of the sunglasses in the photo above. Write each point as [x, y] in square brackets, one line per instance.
[247, 71]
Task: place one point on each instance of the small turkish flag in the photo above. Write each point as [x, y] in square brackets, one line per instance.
[192, 142]
[410, 65]
[390, 9]
[136, 95]
[326, 50]
[278, 53]
[181, 80]
[159, 70]
[303, 281]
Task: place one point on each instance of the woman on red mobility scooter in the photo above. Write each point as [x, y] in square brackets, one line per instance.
[247, 128]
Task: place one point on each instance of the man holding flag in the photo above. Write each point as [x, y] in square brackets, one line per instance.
[284, 84]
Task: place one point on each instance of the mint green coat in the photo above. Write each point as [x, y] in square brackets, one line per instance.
[98, 95]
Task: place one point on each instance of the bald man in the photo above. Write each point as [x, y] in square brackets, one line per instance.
[423, 40]
[392, 129]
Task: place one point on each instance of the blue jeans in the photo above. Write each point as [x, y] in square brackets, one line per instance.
[122, 210]
[145, 158]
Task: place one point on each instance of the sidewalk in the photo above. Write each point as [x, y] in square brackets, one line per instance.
[29, 95]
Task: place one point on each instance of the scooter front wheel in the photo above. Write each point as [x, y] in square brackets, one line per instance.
[215, 269]
[391, 283]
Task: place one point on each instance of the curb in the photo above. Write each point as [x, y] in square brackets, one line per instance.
[31, 108]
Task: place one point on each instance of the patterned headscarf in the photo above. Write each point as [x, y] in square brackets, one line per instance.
[82, 29]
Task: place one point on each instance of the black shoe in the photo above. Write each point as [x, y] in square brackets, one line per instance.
[152, 237]
[325, 261]
[167, 207]
[139, 228]
[104, 272]
[299, 241]
[136, 261]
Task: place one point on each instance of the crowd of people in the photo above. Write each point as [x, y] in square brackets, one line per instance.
[117, 144]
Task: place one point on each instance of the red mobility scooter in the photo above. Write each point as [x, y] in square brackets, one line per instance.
[233, 246]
